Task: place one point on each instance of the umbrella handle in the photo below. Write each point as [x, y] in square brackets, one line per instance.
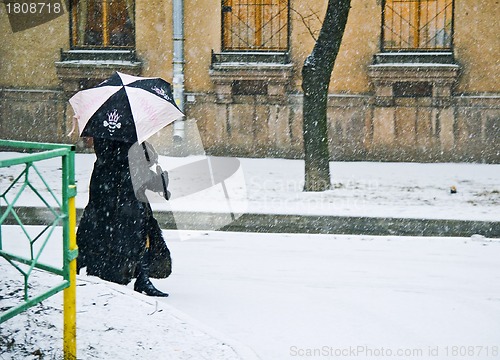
[159, 171]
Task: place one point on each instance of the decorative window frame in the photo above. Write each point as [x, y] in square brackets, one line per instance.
[416, 73]
[79, 69]
[84, 66]
[255, 25]
[108, 38]
[251, 71]
[266, 74]
[417, 37]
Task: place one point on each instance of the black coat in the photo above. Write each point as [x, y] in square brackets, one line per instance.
[111, 236]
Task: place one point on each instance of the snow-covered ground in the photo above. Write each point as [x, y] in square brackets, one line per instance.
[409, 190]
[284, 296]
[281, 293]
[281, 296]
[113, 321]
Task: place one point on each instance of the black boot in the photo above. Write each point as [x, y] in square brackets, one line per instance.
[143, 284]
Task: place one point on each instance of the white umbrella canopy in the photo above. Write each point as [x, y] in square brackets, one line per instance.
[125, 108]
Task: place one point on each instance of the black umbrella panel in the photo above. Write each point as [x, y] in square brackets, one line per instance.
[125, 108]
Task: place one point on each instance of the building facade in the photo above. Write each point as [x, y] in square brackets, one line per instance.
[415, 80]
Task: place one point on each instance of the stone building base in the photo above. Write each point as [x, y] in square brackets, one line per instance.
[464, 128]
[33, 115]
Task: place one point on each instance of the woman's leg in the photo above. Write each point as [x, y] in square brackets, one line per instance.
[143, 284]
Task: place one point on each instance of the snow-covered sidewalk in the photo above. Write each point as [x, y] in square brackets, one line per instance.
[282, 297]
[366, 189]
[113, 321]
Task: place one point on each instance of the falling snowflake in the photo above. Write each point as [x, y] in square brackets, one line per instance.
[113, 122]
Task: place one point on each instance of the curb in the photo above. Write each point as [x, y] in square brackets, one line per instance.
[309, 224]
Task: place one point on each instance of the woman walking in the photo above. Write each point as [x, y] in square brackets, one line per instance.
[118, 237]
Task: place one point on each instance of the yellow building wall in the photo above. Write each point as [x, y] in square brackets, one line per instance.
[154, 37]
[360, 42]
[477, 45]
[203, 33]
[305, 25]
[27, 58]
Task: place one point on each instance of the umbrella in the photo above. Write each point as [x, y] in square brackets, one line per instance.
[125, 108]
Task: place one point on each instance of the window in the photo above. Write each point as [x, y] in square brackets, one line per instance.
[102, 23]
[417, 25]
[258, 25]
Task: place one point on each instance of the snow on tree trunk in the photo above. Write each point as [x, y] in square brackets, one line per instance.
[316, 74]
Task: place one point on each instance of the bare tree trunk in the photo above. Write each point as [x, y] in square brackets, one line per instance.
[316, 74]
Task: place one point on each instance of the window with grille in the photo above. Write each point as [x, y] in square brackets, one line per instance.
[257, 25]
[417, 25]
[102, 23]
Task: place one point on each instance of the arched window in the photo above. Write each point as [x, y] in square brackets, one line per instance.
[258, 25]
[417, 25]
[102, 23]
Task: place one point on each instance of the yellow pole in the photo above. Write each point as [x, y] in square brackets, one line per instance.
[70, 292]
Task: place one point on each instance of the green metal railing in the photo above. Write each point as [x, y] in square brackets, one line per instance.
[63, 214]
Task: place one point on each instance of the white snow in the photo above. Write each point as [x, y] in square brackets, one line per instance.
[409, 53]
[415, 65]
[284, 296]
[274, 292]
[251, 65]
[235, 295]
[401, 190]
[99, 62]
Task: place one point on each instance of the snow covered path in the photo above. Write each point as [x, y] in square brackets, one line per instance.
[284, 295]
[274, 186]
[113, 321]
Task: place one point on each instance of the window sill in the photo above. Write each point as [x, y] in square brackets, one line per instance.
[420, 57]
[79, 69]
[405, 74]
[99, 55]
[245, 57]
[251, 73]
